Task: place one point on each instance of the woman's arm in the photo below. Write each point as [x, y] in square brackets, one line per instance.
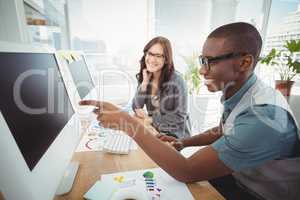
[141, 92]
[139, 98]
[168, 120]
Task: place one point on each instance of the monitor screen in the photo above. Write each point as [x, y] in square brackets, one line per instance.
[33, 101]
[81, 77]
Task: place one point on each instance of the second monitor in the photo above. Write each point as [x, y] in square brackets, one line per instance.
[81, 76]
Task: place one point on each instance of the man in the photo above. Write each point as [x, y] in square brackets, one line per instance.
[252, 154]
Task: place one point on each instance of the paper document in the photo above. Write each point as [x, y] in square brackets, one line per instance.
[157, 183]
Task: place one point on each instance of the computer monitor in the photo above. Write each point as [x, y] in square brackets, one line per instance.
[114, 85]
[81, 76]
[38, 128]
[79, 82]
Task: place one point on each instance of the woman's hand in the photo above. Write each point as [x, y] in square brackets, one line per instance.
[109, 115]
[140, 113]
[146, 79]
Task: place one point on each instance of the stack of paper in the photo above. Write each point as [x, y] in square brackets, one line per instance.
[156, 184]
[102, 190]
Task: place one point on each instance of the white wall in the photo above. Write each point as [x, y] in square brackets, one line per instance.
[13, 22]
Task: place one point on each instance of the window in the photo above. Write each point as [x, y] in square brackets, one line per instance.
[283, 25]
[112, 34]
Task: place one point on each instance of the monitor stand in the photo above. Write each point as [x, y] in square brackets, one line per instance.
[68, 178]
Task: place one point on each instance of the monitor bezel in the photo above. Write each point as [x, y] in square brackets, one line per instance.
[16, 179]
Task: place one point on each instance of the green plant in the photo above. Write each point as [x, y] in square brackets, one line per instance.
[285, 60]
[192, 75]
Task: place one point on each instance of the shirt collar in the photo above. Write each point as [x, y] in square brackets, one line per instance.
[232, 101]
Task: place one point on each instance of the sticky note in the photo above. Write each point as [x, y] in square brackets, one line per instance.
[119, 179]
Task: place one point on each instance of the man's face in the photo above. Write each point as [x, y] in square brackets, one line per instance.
[221, 72]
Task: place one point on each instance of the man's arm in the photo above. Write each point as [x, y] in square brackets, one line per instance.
[202, 139]
[203, 165]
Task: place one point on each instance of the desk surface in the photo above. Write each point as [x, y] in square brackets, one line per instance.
[94, 164]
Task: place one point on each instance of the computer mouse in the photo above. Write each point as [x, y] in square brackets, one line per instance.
[133, 192]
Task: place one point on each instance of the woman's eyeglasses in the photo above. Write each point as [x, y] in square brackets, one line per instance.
[155, 55]
[206, 61]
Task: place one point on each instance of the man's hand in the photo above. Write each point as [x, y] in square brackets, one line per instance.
[165, 138]
[108, 114]
[140, 113]
[177, 144]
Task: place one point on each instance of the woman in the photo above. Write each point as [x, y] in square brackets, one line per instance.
[162, 90]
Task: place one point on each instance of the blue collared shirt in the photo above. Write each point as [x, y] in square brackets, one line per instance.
[254, 141]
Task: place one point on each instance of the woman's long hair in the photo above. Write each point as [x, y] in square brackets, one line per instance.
[168, 67]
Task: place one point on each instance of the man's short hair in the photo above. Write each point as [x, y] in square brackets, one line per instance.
[242, 37]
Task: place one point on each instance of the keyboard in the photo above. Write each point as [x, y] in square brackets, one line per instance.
[117, 143]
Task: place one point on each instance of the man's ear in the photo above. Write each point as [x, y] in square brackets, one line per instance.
[246, 63]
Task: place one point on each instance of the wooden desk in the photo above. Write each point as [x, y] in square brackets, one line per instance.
[94, 164]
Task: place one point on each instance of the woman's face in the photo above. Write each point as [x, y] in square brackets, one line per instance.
[154, 58]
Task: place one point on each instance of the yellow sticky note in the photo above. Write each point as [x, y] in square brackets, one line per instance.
[119, 179]
[66, 55]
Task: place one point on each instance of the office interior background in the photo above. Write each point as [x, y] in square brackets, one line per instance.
[112, 35]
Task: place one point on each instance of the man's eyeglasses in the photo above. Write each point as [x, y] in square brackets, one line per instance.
[206, 61]
[155, 55]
